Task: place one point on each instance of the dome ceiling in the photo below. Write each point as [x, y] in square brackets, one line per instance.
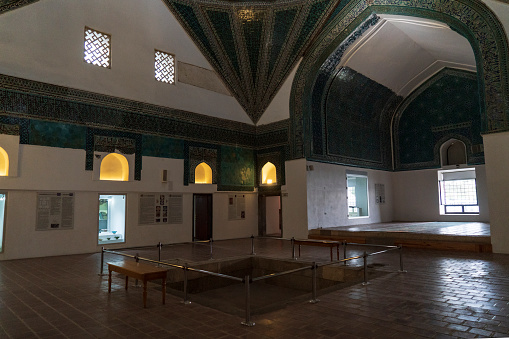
[253, 45]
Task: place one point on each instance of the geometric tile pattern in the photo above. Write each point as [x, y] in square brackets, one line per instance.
[9, 5]
[472, 19]
[444, 107]
[354, 123]
[276, 157]
[252, 45]
[108, 141]
[197, 155]
[97, 48]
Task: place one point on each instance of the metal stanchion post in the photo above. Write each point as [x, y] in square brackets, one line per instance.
[401, 270]
[159, 248]
[248, 321]
[137, 258]
[344, 252]
[314, 270]
[293, 248]
[365, 256]
[185, 301]
[102, 262]
[252, 245]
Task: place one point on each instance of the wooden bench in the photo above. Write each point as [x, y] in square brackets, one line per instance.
[323, 243]
[138, 271]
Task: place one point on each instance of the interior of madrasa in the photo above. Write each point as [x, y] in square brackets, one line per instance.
[128, 123]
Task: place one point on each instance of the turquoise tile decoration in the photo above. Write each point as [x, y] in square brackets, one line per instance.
[282, 24]
[163, 147]
[16, 126]
[472, 19]
[54, 134]
[314, 16]
[253, 30]
[221, 23]
[250, 50]
[446, 106]
[237, 167]
[353, 110]
[187, 14]
[276, 156]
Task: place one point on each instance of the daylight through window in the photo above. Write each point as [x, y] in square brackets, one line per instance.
[164, 67]
[97, 48]
[458, 192]
[357, 195]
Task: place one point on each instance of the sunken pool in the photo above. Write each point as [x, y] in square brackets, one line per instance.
[268, 294]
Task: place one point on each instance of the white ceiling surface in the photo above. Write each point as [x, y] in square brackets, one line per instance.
[402, 52]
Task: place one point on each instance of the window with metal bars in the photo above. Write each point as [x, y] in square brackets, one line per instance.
[458, 192]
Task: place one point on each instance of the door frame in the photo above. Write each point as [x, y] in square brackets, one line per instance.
[262, 217]
[210, 231]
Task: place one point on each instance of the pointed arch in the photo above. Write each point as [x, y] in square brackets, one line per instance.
[203, 174]
[114, 167]
[472, 19]
[4, 163]
[269, 174]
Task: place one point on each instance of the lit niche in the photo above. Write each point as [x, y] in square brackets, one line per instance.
[114, 167]
[203, 174]
[4, 163]
[269, 174]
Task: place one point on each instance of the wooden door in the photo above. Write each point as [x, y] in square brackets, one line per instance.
[202, 216]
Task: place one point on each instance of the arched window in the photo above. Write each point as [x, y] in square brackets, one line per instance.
[115, 167]
[269, 176]
[4, 163]
[203, 174]
[453, 152]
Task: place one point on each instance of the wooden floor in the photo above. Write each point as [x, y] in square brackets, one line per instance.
[464, 236]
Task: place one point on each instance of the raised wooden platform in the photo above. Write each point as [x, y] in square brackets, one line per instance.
[471, 243]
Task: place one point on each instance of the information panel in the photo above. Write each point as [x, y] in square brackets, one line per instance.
[160, 208]
[236, 206]
[380, 193]
[55, 211]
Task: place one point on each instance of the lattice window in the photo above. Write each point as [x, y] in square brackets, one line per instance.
[164, 67]
[97, 48]
[458, 192]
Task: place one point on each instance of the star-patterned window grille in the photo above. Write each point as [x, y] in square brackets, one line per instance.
[164, 67]
[97, 48]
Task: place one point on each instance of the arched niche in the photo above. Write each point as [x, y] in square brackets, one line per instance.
[269, 176]
[203, 174]
[453, 152]
[472, 19]
[4, 163]
[114, 167]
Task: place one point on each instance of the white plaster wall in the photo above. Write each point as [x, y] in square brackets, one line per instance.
[279, 108]
[496, 153]
[56, 169]
[416, 197]
[294, 200]
[327, 203]
[44, 42]
[272, 214]
[222, 228]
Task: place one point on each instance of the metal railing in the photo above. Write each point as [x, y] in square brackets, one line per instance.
[248, 280]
